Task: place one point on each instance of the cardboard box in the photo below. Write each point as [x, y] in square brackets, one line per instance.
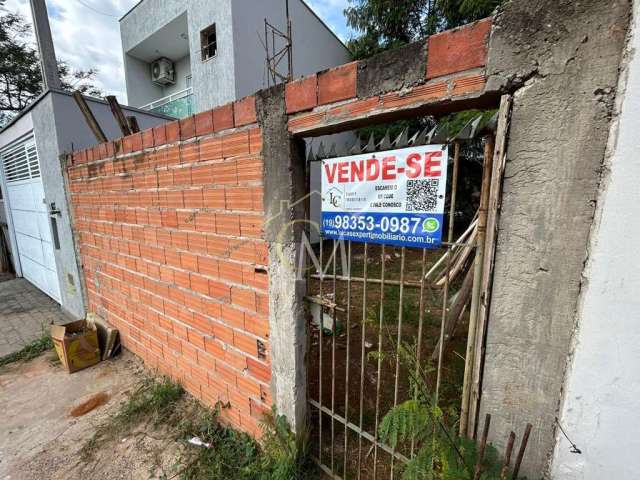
[76, 344]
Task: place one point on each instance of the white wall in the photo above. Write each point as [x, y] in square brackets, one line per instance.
[182, 69]
[315, 47]
[600, 411]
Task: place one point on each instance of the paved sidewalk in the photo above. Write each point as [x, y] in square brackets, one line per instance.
[25, 313]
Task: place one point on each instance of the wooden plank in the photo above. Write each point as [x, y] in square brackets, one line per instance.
[466, 420]
[133, 124]
[89, 118]
[118, 114]
[495, 196]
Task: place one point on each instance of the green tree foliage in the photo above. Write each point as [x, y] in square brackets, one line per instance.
[20, 76]
[385, 24]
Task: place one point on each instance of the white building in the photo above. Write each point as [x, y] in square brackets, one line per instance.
[210, 52]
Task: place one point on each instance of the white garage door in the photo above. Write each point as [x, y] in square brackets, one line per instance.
[30, 217]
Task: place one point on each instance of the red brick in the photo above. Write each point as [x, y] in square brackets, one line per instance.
[202, 175]
[250, 225]
[246, 343]
[172, 131]
[244, 111]
[199, 284]
[227, 224]
[225, 173]
[235, 144]
[223, 117]
[337, 83]
[259, 370]
[214, 198]
[249, 169]
[208, 266]
[256, 324]
[223, 333]
[210, 149]
[187, 128]
[147, 138]
[193, 199]
[159, 135]
[229, 271]
[301, 94]
[232, 316]
[243, 298]
[457, 50]
[204, 123]
[219, 290]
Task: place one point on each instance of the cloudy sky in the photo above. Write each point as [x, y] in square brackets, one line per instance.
[86, 35]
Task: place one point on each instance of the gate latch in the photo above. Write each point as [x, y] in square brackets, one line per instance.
[53, 210]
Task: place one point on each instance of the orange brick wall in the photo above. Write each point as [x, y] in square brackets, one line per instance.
[171, 242]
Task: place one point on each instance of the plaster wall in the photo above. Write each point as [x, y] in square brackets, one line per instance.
[315, 47]
[603, 378]
[561, 58]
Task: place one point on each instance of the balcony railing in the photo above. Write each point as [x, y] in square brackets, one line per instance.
[178, 105]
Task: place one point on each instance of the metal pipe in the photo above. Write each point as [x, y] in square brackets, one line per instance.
[445, 294]
[346, 375]
[363, 355]
[378, 379]
[399, 341]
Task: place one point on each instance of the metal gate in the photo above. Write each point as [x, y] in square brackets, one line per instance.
[396, 326]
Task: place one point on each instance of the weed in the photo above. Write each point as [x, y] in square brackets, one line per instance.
[153, 401]
[279, 456]
[29, 352]
[441, 454]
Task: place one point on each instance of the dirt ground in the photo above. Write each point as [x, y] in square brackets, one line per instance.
[45, 423]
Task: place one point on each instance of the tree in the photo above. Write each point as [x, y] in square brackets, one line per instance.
[20, 76]
[385, 24]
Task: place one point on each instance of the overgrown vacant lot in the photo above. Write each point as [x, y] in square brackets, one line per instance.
[115, 420]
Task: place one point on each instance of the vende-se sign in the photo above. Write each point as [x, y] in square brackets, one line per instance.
[394, 197]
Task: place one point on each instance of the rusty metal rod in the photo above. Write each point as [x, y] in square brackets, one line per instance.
[483, 446]
[523, 447]
[504, 473]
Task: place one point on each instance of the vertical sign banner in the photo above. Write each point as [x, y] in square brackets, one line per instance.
[394, 197]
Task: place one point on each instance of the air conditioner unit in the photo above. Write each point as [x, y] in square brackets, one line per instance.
[162, 72]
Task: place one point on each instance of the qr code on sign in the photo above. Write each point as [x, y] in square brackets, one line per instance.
[422, 195]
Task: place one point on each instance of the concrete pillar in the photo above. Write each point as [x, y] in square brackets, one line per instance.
[284, 187]
[600, 409]
[561, 59]
[48, 62]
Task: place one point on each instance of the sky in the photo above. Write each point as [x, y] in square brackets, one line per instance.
[86, 35]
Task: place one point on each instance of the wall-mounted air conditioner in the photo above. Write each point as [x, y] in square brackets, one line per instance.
[162, 72]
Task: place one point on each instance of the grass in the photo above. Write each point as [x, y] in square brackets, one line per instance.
[29, 352]
[152, 402]
[233, 454]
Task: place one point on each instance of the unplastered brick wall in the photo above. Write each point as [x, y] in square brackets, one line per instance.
[170, 227]
[171, 221]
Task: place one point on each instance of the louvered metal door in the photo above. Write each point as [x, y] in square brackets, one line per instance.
[28, 212]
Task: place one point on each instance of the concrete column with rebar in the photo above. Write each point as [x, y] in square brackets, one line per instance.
[284, 192]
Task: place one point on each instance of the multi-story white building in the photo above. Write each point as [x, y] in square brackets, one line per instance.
[186, 56]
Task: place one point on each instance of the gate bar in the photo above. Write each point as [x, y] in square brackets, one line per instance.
[346, 393]
[378, 379]
[363, 433]
[362, 355]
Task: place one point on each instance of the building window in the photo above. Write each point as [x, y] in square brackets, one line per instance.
[208, 42]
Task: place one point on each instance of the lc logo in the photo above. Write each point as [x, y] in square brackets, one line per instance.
[334, 197]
